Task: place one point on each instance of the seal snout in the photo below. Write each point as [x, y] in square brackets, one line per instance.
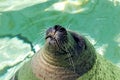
[56, 34]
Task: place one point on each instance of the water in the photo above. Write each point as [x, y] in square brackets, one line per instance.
[99, 20]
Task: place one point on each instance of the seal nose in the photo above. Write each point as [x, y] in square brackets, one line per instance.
[56, 32]
[59, 28]
[56, 36]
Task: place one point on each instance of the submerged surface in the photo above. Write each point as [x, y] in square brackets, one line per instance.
[99, 20]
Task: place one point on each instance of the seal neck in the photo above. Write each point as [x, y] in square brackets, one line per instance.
[56, 60]
[45, 68]
[79, 63]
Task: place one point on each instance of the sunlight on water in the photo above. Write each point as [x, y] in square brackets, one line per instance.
[117, 38]
[7, 5]
[100, 49]
[13, 53]
[115, 2]
[73, 6]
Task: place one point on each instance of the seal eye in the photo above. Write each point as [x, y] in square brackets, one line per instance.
[57, 27]
[62, 29]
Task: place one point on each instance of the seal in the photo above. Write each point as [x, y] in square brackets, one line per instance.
[67, 55]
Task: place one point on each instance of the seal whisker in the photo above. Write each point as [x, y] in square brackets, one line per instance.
[39, 39]
[71, 60]
[59, 43]
[69, 56]
[68, 26]
[68, 53]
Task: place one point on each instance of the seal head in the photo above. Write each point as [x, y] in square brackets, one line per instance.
[68, 47]
[60, 41]
[55, 38]
[65, 53]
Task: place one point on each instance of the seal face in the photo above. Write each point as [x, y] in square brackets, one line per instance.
[55, 37]
[60, 40]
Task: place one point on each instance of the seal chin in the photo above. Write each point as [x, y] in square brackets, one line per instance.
[51, 41]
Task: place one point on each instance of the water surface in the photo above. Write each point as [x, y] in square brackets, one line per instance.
[99, 20]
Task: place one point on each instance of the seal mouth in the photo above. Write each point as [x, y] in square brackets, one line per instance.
[56, 35]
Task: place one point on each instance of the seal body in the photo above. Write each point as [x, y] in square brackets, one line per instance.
[47, 71]
[67, 55]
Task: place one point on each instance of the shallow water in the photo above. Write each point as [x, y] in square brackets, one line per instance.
[99, 20]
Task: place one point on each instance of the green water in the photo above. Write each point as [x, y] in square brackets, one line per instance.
[99, 19]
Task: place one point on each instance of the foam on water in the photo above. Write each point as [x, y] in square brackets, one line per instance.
[13, 53]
